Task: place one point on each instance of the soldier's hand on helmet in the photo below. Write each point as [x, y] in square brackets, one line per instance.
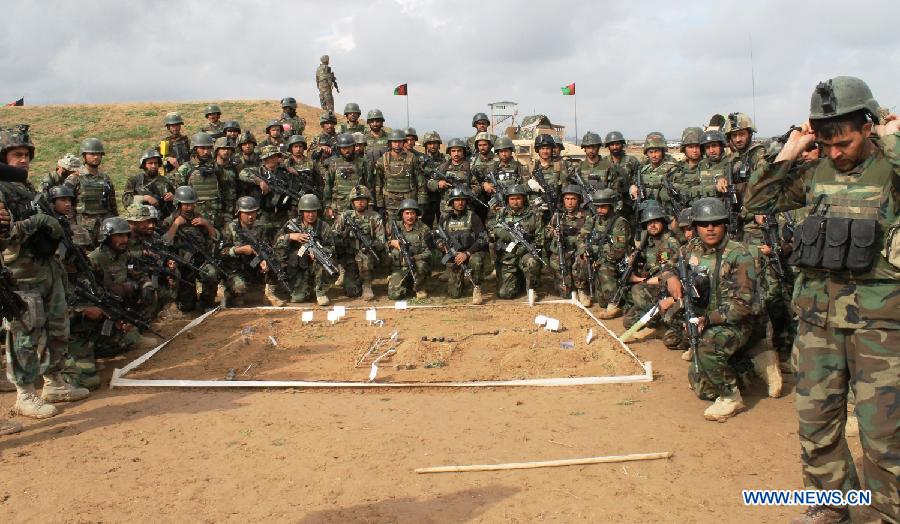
[264, 266]
[150, 200]
[461, 258]
[41, 220]
[92, 313]
[535, 186]
[797, 143]
[264, 187]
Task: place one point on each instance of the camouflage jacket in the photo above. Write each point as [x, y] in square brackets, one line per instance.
[142, 183]
[292, 125]
[115, 272]
[306, 165]
[376, 145]
[188, 235]
[324, 77]
[710, 171]
[462, 170]
[27, 248]
[529, 222]
[574, 228]
[481, 165]
[652, 178]
[216, 130]
[661, 251]
[610, 238]
[841, 299]
[602, 174]
[288, 250]
[232, 238]
[419, 238]
[177, 147]
[369, 222]
[345, 127]
[94, 194]
[341, 176]
[398, 174]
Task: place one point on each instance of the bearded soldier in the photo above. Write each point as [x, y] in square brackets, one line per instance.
[431, 160]
[291, 124]
[362, 239]
[150, 186]
[214, 126]
[626, 166]
[480, 122]
[514, 263]
[397, 176]
[195, 238]
[95, 195]
[568, 229]
[175, 148]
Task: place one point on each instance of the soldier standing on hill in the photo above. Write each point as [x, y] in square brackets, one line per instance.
[150, 185]
[214, 125]
[175, 148]
[325, 81]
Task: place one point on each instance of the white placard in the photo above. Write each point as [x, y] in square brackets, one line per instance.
[540, 320]
[371, 315]
[373, 372]
[552, 324]
[340, 311]
[589, 337]
[332, 317]
[400, 304]
[306, 316]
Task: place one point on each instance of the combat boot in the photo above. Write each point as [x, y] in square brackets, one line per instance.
[322, 300]
[823, 515]
[725, 407]
[421, 294]
[29, 404]
[584, 299]
[644, 334]
[611, 311]
[339, 282]
[367, 293]
[477, 299]
[688, 354]
[766, 366]
[56, 389]
[271, 297]
[8, 427]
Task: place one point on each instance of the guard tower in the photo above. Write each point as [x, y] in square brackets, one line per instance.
[503, 113]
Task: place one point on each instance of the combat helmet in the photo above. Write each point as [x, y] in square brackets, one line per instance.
[455, 142]
[268, 151]
[359, 192]
[652, 211]
[212, 108]
[374, 114]
[841, 95]
[655, 140]
[92, 145]
[480, 117]
[140, 213]
[709, 209]
[202, 139]
[738, 121]
[113, 226]
[517, 189]
[309, 202]
[708, 137]
[69, 162]
[605, 196]
[351, 107]
[185, 195]
[247, 204]
[686, 217]
[172, 119]
[459, 192]
[61, 191]
[485, 136]
[327, 117]
[543, 140]
[432, 136]
[503, 142]
[411, 132]
[274, 123]
[232, 124]
[396, 135]
[148, 154]
[571, 189]
[324, 59]
[591, 139]
[359, 139]
[409, 203]
[614, 136]
[296, 139]
[288, 101]
[248, 138]
[16, 137]
[690, 136]
[344, 140]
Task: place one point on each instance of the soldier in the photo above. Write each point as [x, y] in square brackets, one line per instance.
[847, 293]
[454, 165]
[649, 182]
[416, 242]
[211, 177]
[711, 167]
[469, 240]
[480, 122]
[95, 195]
[596, 170]
[343, 173]
[29, 243]
[325, 80]
[361, 234]
[237, 253]
[214, 126]
[725, 316]
[322, 146]
[646, 287]
[162, 273]
[431, 160]
[567, 230]
[481, 163]
[607, 244]
[276, 208]
[232, 131]
[246, 156]
[626, 165]
[507, 171]
[397, 176]
[150, 186]
[376, 136]
[62, 198]
[686, 176]
[513, 262]
[291, 124]
[65, 166]
[547, 176]
[746, 156]
[274, 135]
[302, 268]
[685, 231]
[301, 165]
[175, 148]
[195, 238]
[352, 125]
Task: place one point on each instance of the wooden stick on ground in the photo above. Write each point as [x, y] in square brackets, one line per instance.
[547, 463]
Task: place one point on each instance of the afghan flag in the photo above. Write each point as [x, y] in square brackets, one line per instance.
[400, 90]
[568, 90]
[19, 102]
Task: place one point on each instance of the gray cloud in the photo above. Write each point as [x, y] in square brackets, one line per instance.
[638, 67]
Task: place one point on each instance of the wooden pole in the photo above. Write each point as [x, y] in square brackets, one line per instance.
[547, 463]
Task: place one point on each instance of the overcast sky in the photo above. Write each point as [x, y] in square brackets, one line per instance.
[638, 66]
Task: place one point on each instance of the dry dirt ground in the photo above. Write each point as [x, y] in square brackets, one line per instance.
[167, 455]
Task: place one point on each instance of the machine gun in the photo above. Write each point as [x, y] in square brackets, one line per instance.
[404, 250]
[636, 255]
[733, 202]
[450, 254]
[770, 238]
[159, 249]
[70, 252]
[12, 307]
[518, 236]
[264, 253]
[357, 232]
[450, 178]
[113, 307]
[315, 248]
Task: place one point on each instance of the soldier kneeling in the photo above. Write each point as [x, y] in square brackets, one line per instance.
[306, 245]
[409, 244]
[361, 232]
[243, 265]
[463, 239]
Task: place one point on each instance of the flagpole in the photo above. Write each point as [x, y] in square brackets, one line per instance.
[575, 101]
[407, 107]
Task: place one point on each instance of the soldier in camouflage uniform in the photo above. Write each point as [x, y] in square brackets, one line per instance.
[298, 164]
[65, 166]
[143, 220]
[482, 162]
[712, 167]
[552, 172]
[211, 177]
[685, 231]
[746, 156]
[567, 232]
[37, 344]
[344, 172]
[232, 131]
[608, 242]
[188, 229]
[322, 146]
[358, 262]
[325, 81]
[274, 136]
[430, 162]
[469, 239]
[507, 170]
[847, 291]
[480, 122]
[352, 125]
[376, 136]
[397, 176]
[95, 195]
[237, 253]
[597, 171]
[454, 165]
[291, 124]
[246, 155]
[359, 149]
[420, 241]
[687, 176]
[302, 269]
[150, 186]
[275, 209]
[515, 265]
[175, 148]
[214, 126]
[650, 176]
[626, 165]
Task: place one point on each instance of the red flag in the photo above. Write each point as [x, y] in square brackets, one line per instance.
[569, 89]
[19, 102]
[400, 90]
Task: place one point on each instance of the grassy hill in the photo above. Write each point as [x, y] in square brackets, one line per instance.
[127, 130]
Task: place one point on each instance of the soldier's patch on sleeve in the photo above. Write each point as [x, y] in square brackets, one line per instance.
[664, 255]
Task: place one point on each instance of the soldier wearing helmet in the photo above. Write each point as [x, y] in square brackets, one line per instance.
[175, 147]
[746, 156]
[306, 275]
[209, 173]
[610, 239]
[95, 195]
[596, 170]
[343, 173]
[686, 176]
[505, 173]
[516, 267]
[650, 177]
[323, 144]
[567, 231]
[626, 165]
[548, 175]
[150, 186]
[197, 238]
[274, 135]
[298, 163]
[398, 176]
[712, 166]
[240, 262]
[407, 234]
[65, 166]
[352, 125]
[214, 126]
[62, 198]
[160, 272]
[455, 170]
[480, 122]
[326, 81]
[290, 122]
[376, 136]
[847, 306]
[359, 233]
[468, 239]
[245, 155]
[482, 162]
[232, 130]
[431, 160]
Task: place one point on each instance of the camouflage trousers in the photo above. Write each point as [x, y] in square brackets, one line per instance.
[606, 282]
[513, 270]
[400, 284]
[309, 281]
[358, 269]
[718, 351]
[92, 224]
[87, 343]
[456, 278]
[326, 99]
[238, 285]
[37, 344]
[643, 296]
[187, 292]
[830, 363]
[777, 305]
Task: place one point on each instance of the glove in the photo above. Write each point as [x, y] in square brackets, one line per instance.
[535, 186]
[46, 221]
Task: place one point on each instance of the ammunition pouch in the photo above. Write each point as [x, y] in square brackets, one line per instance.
[34, 317]
[891, 251]
[836, 244]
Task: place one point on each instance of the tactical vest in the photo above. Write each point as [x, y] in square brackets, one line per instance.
[114, 266]
[373, 141]
[709, 170]
[398, 173]
[204, 179]
[94, 195]
[459, 229]
[508, 175]
[343, 175]
[652, 177]
[553, 174]
[597, 175]
[570, 227]
[18, 197]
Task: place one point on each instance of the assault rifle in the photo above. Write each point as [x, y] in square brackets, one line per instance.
[733, 202]
[624, 280]
[113, 307]
[12, 307]
[198, 251]
[450, 178]
[551, 197]
[518, 236]
[451, 253]
[280, 185]
[585, 191]
[156, 267]
[561, 254]
[158, 248]
[688, 296]
[264, 253]
[639, 199]
[404, 250]
[770, 238]
[675, 196]
[70, 252]
[498, 199]
[314, 247]
[357, 231]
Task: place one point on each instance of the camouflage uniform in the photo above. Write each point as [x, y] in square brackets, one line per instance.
[849, 328]
[627, 168]
[68, 164]
[188, 235]
[574, 228]
[216, 130]
[601, 174]
[376, 145]
[471, 142]
[308, 172]
[239, 275]
[710, 171]
[518, 264]
[420, 241]
[467, 234]
[341, 176]
[216, 187]
[358, 263]
[292, 125]
[345, 127]
[327, 139]
[430, 163]
[177, 147]
[304, 273]
[660, 252]
[608, 242]
[325, 82]
[156, 185]
[462, 170]
[398, 177]
[95, 199]
[652, 178]
[161, 284]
